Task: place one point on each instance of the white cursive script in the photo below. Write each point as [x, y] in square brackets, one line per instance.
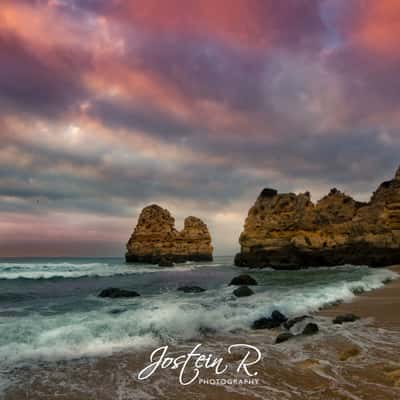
[191, 363]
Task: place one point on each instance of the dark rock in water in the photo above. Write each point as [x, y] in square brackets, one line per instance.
[265, 323]
[205, 330]
[166, 262]
[292, 322]
[243, 291]
[191, 289]
[278, 316]
[310, 329]
[115, 293]
[118, 311]
[283, 337]
[274, 321]
[341, 319]
[243, 280]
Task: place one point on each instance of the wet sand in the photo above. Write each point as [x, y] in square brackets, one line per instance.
[357, 361]
[382, 305]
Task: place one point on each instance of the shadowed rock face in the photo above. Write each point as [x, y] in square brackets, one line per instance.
[155, 238]
[289, 231]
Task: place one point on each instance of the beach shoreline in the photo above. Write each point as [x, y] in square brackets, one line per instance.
[380, 305]
[358, 360]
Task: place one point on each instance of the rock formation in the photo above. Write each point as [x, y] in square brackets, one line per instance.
[155, 239]
[287, 231]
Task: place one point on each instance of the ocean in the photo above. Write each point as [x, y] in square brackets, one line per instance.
[50, 309]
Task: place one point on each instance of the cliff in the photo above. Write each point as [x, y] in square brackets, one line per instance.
[287, 231]
[155, 239]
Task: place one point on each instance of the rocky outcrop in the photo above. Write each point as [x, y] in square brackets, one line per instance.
[155, 239]
[288, 231]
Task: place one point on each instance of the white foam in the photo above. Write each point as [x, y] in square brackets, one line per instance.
[170, 316]
[53, 270]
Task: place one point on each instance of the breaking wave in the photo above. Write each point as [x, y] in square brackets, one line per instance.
[59, 270]
[117, 325]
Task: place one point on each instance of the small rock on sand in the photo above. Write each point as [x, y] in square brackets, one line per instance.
[341, 319]
[283, 337]
[310, 329]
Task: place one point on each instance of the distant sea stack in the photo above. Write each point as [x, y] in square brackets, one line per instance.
[155, 239]
[289, 231]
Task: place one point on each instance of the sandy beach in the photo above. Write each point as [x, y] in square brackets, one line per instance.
[359, 360]
[382, 305]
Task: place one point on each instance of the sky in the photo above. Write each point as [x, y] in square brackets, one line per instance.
[107, 106]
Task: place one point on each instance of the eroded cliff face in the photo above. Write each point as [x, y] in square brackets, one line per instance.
[289, 231]
[156, 238]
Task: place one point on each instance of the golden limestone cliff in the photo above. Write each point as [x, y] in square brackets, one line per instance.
[155, 239]
[286, 231]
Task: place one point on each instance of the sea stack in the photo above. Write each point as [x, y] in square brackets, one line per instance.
[155, 239]
[289, 231]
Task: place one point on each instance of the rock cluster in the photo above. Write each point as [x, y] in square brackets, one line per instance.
[288, 231]
[156, 240]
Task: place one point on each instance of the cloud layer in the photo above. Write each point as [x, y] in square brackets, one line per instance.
[106, 106]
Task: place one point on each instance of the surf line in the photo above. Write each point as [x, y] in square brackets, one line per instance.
[190, 364]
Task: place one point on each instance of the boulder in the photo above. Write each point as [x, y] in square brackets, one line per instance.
[289, 231]
[156, 241]
[278, 316]
[191, 289]
[283, 337]
[310, 329]
[243, 291]
[292, 322]
[274, 321]
[341, 319]
[243, 280]
[115, 293]
[265, 323]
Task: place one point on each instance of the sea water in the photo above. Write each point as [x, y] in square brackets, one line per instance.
[50, 309]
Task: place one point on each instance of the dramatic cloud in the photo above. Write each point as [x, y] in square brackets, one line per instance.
[106, 106]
